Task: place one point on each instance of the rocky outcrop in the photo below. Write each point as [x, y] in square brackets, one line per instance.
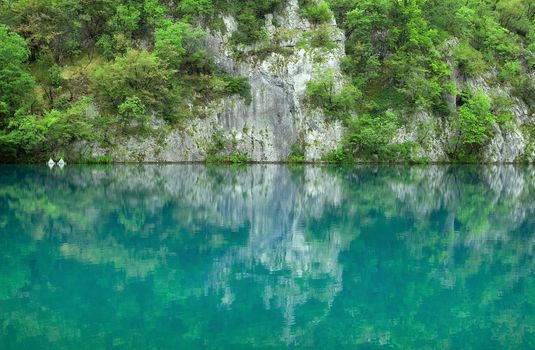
[438, 137]
[276, 118]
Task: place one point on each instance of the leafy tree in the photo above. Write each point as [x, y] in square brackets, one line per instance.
[476, 120]
[127, 17]
[26, 133]
[137, 73]
[470, 61]
[371, 134]
[16, 84]
[33, 135]
[175, 41]
[194, 8]
[154, 12]
[337, 103]
[250, 16]
[516, 15]
[49, 26]
[121, 28]
[238, 85]
[133, 109]
[320, 91]
[317, 12]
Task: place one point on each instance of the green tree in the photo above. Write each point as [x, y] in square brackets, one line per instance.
[336, 103]
[133, 109]
[121, 28]
[16, 84]
[476, 120]
[371, 134]
[34, 136]
[317, 12]
[177, 41]
[49, 26]
[470, 61]
[194, 8]
[137, 73]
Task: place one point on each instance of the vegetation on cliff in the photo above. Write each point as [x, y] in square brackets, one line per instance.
[408, 55]
[88, 70]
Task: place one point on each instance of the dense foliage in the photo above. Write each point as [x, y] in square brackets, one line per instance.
[131, 60]
[139, 59]
[404, 55]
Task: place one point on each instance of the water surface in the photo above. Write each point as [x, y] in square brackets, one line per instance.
[267, 257]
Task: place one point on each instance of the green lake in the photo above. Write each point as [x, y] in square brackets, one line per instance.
[267, 257]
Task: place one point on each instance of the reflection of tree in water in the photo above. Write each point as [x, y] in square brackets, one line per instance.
[341, 255]
[480, 208]
[468, 228]
[98, 214]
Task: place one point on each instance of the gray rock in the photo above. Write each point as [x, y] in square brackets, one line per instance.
[277, 117]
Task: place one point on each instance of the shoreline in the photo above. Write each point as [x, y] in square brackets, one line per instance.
[279, 163]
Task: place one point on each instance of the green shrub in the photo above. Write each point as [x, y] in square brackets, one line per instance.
[523, 86]
[96, 160]
[321, 37]
[217, 145]
[16, 84]
[238, 158]
[35, 136]
[321, 93]
[138, 73]
[402, 152]
[510, 71]
[497, 41]
[501, 109]
[154, 12]
[234, 158]
[132, 109]
[469, 60]
[336, 156]
[476, 120]
[321, 90]
[346, 101]
[194, 8]
[238, 85]
[394, 153]
[250, 15]
[176, 42]
[317, 12]
[297, 153]
[25, 133]
[370, 134]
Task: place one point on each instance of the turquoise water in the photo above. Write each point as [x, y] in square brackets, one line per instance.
[267, 257]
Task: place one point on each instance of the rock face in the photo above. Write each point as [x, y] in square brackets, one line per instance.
[275, 120]
[509, 142]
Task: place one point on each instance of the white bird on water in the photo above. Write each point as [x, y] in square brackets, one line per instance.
[61, 163]
[51, 163]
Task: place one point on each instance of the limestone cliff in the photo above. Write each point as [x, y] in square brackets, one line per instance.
[278, 119]
[275, 120]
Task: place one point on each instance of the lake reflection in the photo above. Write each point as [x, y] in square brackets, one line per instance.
[267, 256]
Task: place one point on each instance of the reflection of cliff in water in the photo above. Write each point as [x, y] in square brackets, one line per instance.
[481, 206]
[277, 205]
[277, 209]
[297, 235]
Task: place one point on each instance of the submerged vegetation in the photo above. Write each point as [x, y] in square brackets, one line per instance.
[73, 70]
